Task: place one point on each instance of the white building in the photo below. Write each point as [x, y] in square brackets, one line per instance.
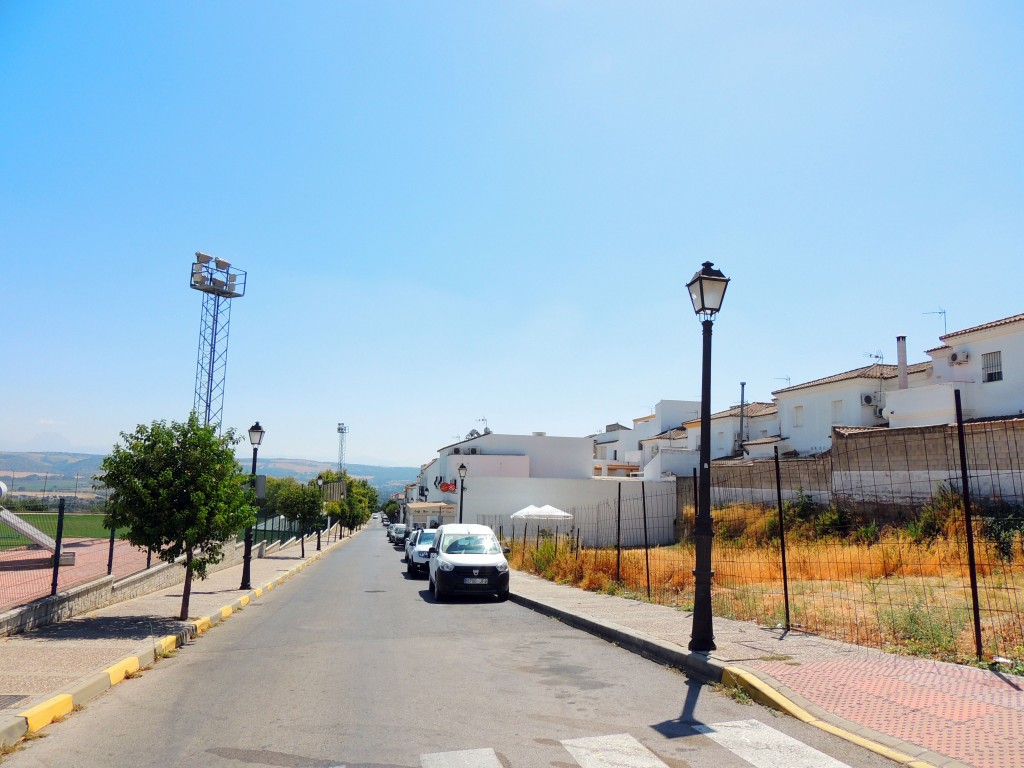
[986, 363]
[619, 451]
[505, 473]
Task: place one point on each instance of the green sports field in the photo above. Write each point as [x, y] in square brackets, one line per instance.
[75, 527]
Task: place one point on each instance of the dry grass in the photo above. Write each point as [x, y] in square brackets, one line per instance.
[894, 593]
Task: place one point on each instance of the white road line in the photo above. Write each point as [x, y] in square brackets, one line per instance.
[764, 747]
[466, 758]
[621, 751]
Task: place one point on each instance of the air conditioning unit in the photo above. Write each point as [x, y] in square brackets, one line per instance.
[870, 399]
[959, 358]
[473, 451]
[457, 451]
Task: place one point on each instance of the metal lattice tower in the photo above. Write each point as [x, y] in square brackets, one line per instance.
[219, 283]
[342, 432]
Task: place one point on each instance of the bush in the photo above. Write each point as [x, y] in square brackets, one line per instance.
[1002, 524]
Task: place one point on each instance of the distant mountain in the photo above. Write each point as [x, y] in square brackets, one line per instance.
[57, 471]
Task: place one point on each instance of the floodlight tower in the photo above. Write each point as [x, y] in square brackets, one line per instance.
[219, 283]
[342, 431]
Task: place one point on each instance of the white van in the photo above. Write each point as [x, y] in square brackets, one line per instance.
[467, 559]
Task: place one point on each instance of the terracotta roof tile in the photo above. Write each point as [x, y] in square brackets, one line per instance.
[995, 323]
[873, 371]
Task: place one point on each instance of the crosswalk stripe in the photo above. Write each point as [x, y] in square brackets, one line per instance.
[620, 751]
[466, 758]
[764, 747]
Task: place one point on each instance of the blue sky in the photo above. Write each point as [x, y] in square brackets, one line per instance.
[451, 211]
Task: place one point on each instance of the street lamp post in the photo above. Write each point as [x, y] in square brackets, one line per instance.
[462, 487]
[256, 433]
[707, 289]
[320, 485]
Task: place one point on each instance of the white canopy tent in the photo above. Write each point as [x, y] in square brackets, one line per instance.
[547, 512]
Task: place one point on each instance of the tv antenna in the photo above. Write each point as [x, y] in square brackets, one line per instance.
[942, 312]
[786, 379]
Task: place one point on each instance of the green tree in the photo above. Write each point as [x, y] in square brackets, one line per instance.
[361, 499]
[178, 490]
[391, 509]
[301, 504]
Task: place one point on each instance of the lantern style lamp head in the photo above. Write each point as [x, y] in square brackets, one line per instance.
[462, 471]
[320, 483]
[256, 433]
[707, 289]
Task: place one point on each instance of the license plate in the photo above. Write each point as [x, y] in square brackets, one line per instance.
[476, 581]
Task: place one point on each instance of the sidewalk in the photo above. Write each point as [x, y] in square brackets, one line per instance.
[917, 712]
[914, 711]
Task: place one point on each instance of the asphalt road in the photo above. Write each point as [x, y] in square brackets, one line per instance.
[351, 663]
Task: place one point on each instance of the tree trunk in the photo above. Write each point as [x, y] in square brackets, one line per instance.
[186, 591]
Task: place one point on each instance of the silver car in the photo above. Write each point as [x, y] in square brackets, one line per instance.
[417, 557]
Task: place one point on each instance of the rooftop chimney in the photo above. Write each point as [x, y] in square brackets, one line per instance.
[901, 361]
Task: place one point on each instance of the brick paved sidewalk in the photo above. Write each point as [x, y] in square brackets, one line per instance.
[936, 713]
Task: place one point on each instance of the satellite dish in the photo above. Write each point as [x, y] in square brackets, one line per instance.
[3, 490]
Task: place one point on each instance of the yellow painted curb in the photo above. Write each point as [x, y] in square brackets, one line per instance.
[203, 624]
[225, 612]
[168, 643]
[122, 669]
[259, 591]
[769, 697]
[41, 715]
[243, 600]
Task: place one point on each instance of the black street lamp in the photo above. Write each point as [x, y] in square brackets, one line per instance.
[320, 485]
[462, 487]
[256, 433]
[707, 289]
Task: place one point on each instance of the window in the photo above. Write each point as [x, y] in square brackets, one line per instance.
[992, 366]
[798, 415]
[837, 411]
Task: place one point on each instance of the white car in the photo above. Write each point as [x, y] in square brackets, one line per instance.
[397, 534]
[417, 551]
[467, 559]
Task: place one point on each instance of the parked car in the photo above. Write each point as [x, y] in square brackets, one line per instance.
[397, 534]
[391, 531]
[417, 551]
[467, 559]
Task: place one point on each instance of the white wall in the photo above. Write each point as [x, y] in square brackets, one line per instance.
[593, 502]
[676, 461]
[815, 435]
[922, 406]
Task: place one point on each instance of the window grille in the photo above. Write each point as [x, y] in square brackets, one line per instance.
[992, 366]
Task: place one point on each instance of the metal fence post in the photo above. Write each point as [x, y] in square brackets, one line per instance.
[782, 535]
[110, 553]
[968, 522]
[618, 536]
[56, 547]
[647, 548]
